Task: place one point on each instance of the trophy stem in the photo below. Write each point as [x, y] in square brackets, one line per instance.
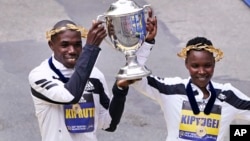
[132, 69]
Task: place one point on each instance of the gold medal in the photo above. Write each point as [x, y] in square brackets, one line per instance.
[201, 131]
[76, 108]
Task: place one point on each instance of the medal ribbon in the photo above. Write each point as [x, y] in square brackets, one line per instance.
[193, 101]
[58, 72]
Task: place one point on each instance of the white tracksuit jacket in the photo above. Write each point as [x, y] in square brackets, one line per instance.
[49, 96]
[181, 122]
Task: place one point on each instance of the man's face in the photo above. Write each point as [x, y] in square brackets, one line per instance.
[67, 47]
[200, 65]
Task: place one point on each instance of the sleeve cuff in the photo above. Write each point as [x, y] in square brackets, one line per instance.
[118, 91]
[151, 41]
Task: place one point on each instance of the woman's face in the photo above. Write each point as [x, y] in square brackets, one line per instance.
[200, 65]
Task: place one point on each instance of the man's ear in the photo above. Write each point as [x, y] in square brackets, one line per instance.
[50, 45]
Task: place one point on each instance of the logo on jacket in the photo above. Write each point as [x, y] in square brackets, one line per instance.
[89, 86]
[222, 96]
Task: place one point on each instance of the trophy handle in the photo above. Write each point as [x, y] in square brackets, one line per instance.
[146, 8]
[99, 18]
[102, 18]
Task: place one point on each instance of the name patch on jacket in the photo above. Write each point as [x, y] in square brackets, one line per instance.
[199, 127]
[79, 118]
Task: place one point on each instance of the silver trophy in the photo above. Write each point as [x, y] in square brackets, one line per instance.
[125, 21]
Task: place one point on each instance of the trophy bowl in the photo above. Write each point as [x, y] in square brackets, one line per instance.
[126, 26]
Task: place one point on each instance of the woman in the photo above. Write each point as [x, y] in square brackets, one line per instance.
[195, 108]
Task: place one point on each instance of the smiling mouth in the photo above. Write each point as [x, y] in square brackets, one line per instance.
[71, 59]
[202, 78]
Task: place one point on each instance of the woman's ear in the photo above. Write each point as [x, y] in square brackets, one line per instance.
[186, 63]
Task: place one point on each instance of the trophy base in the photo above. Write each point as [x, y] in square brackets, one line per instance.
[132, 72]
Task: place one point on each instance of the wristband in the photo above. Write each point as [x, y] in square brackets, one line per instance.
[151, 41]
[120, 88]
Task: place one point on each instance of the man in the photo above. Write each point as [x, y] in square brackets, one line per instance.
[196, 108]
[70, 95]
[67, 109]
